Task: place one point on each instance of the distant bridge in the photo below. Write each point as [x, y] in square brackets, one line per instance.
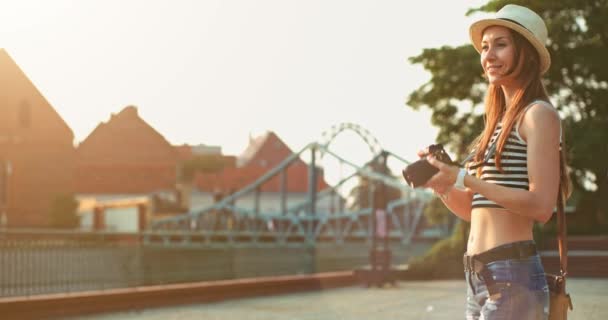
[225, 223]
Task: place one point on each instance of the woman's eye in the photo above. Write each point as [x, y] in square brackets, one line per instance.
[484, 48]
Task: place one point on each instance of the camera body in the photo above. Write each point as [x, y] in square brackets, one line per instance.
[419, 172]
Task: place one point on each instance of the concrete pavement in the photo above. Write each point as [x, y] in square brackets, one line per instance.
[418, 300]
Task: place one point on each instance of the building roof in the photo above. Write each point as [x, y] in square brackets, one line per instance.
[266, 150]
[126, 139]
[255, 143]
[184, 152]
[263, 153]
[25, 114]
[233, 179]
[125, 156]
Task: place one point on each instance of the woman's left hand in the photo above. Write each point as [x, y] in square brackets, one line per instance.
[444, 179]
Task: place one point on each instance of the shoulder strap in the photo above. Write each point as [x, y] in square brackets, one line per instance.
[468, 158]
[562, 242]
[490, 150]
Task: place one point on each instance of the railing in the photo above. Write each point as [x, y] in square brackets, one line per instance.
[304, 222]
[233, 227]
[47, 261]
[36, 262]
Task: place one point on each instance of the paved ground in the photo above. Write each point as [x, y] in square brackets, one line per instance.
[409, 300]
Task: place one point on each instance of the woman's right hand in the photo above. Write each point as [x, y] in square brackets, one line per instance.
[423, 153]
[438, 189]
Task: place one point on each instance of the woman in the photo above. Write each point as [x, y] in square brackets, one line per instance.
[515, 174]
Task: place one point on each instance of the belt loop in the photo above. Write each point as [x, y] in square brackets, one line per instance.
[523, 251]
[489, 280]
[472, 263]
[470, 276]
[469, 271]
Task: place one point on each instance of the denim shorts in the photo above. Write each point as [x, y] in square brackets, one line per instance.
[522, 290]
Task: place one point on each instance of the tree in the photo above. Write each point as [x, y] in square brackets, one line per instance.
[201, 163]
[361, 193]
[577, 82]
[444, 259]
[64, 212]
[437, 213]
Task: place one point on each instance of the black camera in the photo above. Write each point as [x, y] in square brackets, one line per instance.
[419, 172]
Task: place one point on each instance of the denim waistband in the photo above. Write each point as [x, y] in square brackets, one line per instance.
[515, 250]
[509, 245]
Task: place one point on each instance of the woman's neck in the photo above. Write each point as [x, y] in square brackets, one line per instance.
[509, 92]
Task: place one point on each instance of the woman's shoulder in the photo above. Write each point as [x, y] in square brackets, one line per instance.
[540, 110]
[540, 116]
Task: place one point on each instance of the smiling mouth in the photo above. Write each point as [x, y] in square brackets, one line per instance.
[490, 68]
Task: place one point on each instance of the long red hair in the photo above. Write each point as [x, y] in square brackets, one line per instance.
[526, 73]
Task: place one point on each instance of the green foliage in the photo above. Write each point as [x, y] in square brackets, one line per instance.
[64, 213]
[361, 195]
[444, 259]
[436, 212]
[456, 79]
[577, 83]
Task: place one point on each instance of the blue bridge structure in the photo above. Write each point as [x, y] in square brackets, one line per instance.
[226, 223]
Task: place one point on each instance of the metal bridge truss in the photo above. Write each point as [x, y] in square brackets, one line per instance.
[225, 224]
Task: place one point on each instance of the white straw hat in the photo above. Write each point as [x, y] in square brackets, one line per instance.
[522, 20]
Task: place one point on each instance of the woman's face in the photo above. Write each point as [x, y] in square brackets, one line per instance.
[497, 54]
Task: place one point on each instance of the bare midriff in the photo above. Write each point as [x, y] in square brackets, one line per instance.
[492, 227]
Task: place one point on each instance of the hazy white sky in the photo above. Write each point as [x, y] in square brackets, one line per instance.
[215, 71]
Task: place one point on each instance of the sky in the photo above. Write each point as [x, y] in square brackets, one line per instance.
[216, 72]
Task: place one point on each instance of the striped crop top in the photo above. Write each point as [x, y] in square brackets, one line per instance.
[514, 162]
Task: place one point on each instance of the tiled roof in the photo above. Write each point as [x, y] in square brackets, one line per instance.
[126, 138]
[263, 153]
[25, 115]
[252, 148]
[233, 179]
[125, 155]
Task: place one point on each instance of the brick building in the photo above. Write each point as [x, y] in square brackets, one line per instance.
[125, 156]
[36, 150]
[262, 154]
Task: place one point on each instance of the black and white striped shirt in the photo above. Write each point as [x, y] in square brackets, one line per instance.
[513, 160]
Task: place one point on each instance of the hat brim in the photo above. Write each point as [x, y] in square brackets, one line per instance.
[476, 33]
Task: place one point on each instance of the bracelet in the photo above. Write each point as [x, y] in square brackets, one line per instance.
[459, 184]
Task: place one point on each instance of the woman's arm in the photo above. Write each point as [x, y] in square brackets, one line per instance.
[540, 127]
[458, 201]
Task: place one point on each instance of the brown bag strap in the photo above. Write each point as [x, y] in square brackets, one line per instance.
[561, 235]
